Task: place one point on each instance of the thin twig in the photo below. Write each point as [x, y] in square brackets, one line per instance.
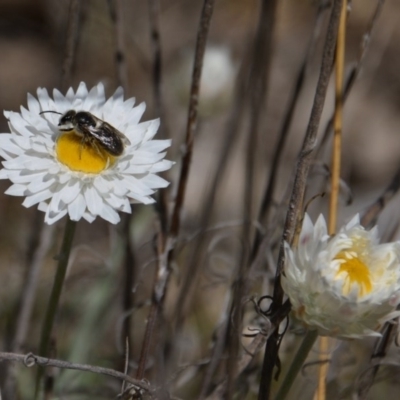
[166, 249]
[352, 77]
[155, 36]
[266, 202]
[159, 109]
[217, 351]
[365, 383]
[117, 14]
[70, 47]
[202, 36]
[28, 298]
[370, 214]
[151, 322]
[231, 133]
[252, 350]
[30, 360]
[259, 73]
[126, 363]
[296, 199]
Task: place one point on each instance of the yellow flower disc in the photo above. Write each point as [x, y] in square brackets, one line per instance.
[357, 273]
[82, 156]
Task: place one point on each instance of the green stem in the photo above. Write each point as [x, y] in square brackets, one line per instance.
[52, 305]
[297, 363]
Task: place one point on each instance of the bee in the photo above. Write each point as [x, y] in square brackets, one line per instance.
[94, 131]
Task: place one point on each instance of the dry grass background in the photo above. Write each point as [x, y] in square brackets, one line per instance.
[88, 326]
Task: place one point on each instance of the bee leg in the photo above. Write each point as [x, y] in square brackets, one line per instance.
[81, 147]
[96, 147]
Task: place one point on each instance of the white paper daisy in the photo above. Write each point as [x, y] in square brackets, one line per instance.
[65, 174]
[346, 285]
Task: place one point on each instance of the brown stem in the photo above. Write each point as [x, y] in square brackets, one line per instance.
[208, 7]
[166, 247]
[159, 109]
[120, 52]
[365, 383]
[70, 47]
[34, 263]
[296, 199]
[259, 72]
[266, 202]
[351, 79]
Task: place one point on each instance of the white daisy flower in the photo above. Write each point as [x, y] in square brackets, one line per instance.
[346, 285]
[64, 173]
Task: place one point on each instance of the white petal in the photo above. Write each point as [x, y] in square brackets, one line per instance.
[81, 93]
[4, 174]
[109, 214]
[89, 217]
[77, 208]
[118, 203]
[145, 157]
[118, 94]
[33, 104]
[93, 200]
[133, 169]
[37, 198]
[16, 190]
[95, 98]
[353, 222]
[154, 181]
[19, 125]
[38, 184]
[142, 132]
[320, 228]
[155, 145]
[135, 185]
[45, 102]
[152, 129]
[160, 166]
[70, 94]
[102, 185]
[138, 198]
[71, 191]
[52, 216]
[63, 104]
[8, 145]
[119, 187]
[43, 206]
[136, 113]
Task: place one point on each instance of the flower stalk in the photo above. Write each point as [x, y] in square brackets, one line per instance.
[56, 290]
[298, 361]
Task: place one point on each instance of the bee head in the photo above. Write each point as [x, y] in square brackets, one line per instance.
[67, 118]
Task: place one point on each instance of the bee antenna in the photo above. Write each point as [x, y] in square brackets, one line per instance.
[49, 111]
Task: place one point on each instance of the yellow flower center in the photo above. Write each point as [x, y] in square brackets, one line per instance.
[356, 272]
[82, 156]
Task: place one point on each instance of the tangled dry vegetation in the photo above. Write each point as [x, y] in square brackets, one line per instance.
[174, 301]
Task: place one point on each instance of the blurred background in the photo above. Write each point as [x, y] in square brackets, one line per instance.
[33, 37]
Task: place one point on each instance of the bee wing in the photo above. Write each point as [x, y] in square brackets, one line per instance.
[112, 139]
[116, 132]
